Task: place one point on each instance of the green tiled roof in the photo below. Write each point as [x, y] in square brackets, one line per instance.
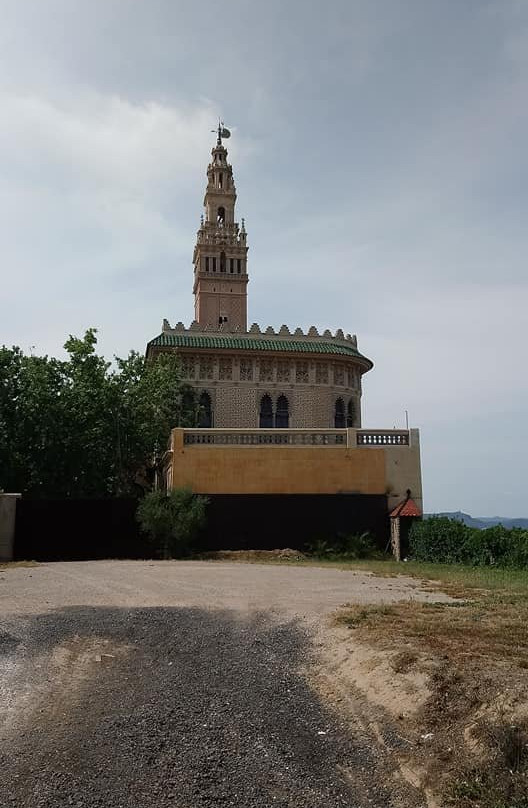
[249, 343]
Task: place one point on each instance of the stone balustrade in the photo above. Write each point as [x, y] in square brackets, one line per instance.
[347, 438]
[265, 437]
[382, 437]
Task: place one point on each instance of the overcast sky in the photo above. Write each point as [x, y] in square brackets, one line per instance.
[380, 156]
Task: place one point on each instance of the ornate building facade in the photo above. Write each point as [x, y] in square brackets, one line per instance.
[279, 412]
[256, 378]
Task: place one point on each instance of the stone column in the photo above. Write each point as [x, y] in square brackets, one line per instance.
[7, 525]
[395, 537]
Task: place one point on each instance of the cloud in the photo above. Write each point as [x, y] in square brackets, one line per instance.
[91, 202]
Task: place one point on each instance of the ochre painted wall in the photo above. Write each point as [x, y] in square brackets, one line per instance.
[279, 470]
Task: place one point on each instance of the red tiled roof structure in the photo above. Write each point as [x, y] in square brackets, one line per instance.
[406, 508]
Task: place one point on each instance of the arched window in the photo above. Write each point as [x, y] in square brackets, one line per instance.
[205, 412]
[266, 413]
[339, 416]
[350, 413]
[222, 262]
[282, 417]
[220, 215]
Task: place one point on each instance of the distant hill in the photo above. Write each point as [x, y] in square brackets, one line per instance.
[482, 522]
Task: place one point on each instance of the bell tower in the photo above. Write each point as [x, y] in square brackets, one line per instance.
[220, 254]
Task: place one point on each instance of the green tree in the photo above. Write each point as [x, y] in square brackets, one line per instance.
[82, 428]
[31, 422]
[173, 520]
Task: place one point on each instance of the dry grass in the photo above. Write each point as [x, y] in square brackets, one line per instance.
[503, 781]
[280, 556]
[6, 565]
[490, 627]
[476, 653]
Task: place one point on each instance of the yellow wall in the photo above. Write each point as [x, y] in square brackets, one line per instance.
[279, 470]
[403, 471]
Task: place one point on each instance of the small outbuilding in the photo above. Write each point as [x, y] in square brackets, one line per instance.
[401, 519]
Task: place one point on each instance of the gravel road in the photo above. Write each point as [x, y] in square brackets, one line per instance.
[183, 684]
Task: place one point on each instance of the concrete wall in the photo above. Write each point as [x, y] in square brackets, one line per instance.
[403, 471]
[276, 469]
[7, 525]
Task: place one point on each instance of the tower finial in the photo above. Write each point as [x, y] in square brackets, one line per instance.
[222, 132]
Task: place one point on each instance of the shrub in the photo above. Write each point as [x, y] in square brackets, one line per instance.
[517, 551]
[172, 520]
[448, 541]
[439, 539]
[488, 547]
[353, 546]
[356, 545]
[320, 548]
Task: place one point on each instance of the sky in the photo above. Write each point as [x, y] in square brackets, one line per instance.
[380, 156]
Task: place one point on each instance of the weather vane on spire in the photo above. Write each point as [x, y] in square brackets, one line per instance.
[222, 132]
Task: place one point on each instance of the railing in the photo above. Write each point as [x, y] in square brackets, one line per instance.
[382, 437]
[347, 438]
[266, 437]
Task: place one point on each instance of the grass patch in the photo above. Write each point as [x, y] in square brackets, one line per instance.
[6, 565]
[457, 576]
[476, 652]
[493, 626]
[485, 578]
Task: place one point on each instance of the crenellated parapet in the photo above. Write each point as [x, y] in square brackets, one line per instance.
[256, 332]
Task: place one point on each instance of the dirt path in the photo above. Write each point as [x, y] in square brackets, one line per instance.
[301, 591]
[186, 684]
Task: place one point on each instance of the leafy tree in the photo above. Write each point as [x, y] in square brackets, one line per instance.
[80, 428]
[172, 520]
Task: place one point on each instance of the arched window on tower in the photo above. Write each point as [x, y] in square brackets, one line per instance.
[221, 180]
[339, 414]
[266, 413]
[351, 411]
[220, 215]
[205, 412]
[282, 417]
[222, 262]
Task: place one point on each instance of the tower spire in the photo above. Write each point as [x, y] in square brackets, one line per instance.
[220, 254]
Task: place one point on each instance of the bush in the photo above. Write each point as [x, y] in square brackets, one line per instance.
[516, 554]
[448, 541]
[353, 546]
[439, 539]
[172, 520]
